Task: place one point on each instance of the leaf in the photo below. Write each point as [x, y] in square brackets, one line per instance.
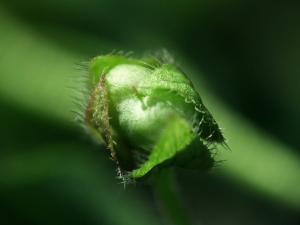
[176, 139]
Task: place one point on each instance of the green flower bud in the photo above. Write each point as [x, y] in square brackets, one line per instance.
[149, 115]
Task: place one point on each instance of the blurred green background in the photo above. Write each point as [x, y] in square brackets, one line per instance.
[244, 57]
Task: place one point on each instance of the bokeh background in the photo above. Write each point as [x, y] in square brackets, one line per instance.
[244, 57]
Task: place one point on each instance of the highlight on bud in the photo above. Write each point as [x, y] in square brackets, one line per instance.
[149, 115]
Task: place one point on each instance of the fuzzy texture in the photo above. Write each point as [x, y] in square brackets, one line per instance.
[148, 114]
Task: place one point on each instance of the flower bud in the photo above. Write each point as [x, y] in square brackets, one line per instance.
[149, 115]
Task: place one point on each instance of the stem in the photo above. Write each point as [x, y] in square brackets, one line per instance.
[167, 193]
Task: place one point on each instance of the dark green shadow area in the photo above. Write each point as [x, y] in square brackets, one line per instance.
[51, 173]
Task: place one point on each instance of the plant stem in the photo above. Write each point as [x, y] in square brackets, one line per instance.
[166, 191]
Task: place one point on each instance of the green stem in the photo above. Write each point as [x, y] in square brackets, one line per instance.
[167, 193]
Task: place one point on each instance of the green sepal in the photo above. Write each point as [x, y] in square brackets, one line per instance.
[104, 63]
[178, 145]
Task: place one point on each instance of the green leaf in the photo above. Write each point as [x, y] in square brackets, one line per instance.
[176, 139]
